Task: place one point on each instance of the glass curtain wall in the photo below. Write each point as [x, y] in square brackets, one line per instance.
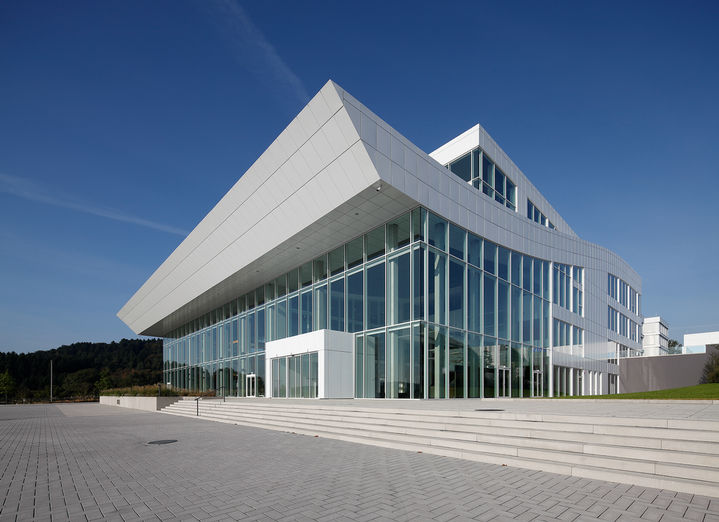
[437, 312]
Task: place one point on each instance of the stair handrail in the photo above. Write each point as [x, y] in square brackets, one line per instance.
[197, 401]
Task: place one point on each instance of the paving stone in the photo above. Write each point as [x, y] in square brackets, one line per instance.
[91, 462]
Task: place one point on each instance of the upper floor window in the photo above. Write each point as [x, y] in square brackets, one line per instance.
[478, 169]
[537, 216]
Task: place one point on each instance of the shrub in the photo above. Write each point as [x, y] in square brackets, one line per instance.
[151, 390]
[711, 369]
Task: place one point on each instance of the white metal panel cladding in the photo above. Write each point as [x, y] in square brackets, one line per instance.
[319, 179]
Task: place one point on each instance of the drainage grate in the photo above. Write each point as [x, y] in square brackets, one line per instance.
[488, 409]
[166, 441]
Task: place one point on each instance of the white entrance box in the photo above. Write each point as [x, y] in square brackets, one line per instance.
[334, 360]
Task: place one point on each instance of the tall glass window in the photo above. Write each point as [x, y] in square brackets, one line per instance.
[418, 283]
[462, 167]
[375, 296]
[353, 253]
[375, 243]
[374, 367]
[305, 374]
[398, 289]
[456, 241]
[456, 364]
[398, 364]
[474, 250]
[306, 313]
[527, 317]
[437, 287]
[306, 274]
[261, 329]
[437, 362]
[418, 361]
[398, 234]
[293, 325]
[437, 232]
[293, 282]
[490, 288]
[474, 365]
[456, 294]
[336, 261]
[419, 217]
[359, 366]
[474, 299]
[319, 268]
[252, 334]
[282, 377]
[320, 311]
[282, 319]
[516, 314]
[490, 256]
[355, 284]
[503, 310]
[337, 305]
[490, 366]
[503, 263]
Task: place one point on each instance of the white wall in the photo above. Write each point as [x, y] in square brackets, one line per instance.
[334, 360]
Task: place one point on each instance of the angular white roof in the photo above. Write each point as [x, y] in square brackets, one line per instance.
[335, 172]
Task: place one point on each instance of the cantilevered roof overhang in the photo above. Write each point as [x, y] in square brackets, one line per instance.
[314, 187]
[334, 173]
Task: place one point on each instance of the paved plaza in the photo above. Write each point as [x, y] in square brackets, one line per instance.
[91, 462]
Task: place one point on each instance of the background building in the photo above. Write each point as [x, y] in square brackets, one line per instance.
[440, 275]
[700, 342]
[656, 337]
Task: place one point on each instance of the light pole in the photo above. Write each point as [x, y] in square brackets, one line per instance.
[50, 380]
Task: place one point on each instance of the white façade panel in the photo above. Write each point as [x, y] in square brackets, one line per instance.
[151, 303]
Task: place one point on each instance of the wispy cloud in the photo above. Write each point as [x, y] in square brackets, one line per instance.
[256, 52]
[32, 191]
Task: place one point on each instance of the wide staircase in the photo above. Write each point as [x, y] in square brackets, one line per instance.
[679, 455]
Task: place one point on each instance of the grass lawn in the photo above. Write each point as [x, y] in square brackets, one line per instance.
[701, 391]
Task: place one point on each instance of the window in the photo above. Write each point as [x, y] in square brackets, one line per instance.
[477, 169]
[535, 215]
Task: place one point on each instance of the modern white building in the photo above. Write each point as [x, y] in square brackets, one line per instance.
[698, 342]
[347, 262]
[656, 337]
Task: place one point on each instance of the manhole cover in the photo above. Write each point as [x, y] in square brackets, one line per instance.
[167, 441]
[488, 409]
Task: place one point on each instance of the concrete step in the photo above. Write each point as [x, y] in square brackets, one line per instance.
[463, 416]
[675, 477]
[644, 437]
[573, 419]
[614, 457]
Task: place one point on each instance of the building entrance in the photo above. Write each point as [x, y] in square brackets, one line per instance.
[250, 385]
[503, 381]
[537, 383]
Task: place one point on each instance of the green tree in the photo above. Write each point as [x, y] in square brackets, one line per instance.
[675, 346]
[105, 381]
[7, 384]
[711, 368]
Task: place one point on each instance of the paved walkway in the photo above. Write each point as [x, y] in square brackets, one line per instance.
[89, 462]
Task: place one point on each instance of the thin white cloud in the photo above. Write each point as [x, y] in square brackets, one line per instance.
[31, 191]
[256, 52]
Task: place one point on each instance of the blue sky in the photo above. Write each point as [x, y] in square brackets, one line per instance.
[123, 123]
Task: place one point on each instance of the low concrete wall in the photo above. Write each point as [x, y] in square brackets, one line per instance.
[638, 374]
[138, 403]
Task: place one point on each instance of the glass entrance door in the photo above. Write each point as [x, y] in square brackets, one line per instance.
[537, 383]
[503, 381]
[250, 385]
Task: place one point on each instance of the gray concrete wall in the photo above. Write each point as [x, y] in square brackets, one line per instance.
[638, 374]
[138, 403]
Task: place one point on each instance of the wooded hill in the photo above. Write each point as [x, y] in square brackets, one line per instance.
[80, 370]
